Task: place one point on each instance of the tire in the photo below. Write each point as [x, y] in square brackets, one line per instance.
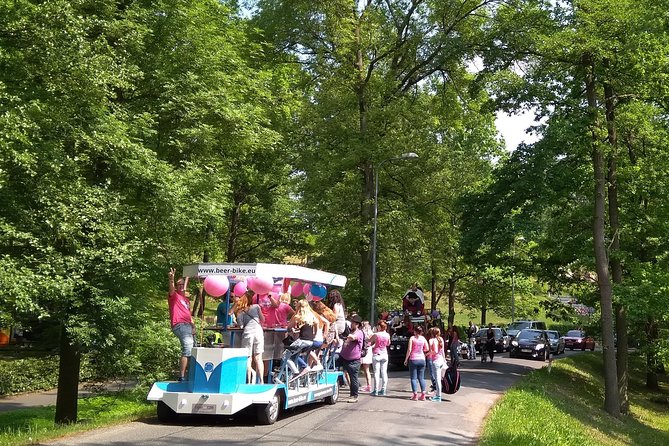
[268, 413]
[571, 348]
[592, 349]
[583, 349]
[332, 399]
[165, 413]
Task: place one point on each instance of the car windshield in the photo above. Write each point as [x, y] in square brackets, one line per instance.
[552, 334]
[575, 333]
[529, 334]
[518, 326]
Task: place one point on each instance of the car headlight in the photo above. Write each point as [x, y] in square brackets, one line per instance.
[539, 346]
[514, 343]
[579, 340]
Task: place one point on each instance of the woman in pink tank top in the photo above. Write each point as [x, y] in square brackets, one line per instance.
[380, 342]
[415, 359]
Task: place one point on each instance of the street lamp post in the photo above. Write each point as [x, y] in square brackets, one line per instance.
[404, 156]
[513, 277]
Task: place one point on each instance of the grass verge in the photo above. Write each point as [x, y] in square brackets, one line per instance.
[30, 426]
[565, 407]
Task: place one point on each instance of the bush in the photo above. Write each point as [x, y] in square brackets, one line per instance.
[32, 373]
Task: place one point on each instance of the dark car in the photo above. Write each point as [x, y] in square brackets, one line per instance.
[577, 339]
[501, 339]
[557, 341]
[397, 350]
[532, 343]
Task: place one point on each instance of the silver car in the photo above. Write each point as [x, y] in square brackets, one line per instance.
[556, 340]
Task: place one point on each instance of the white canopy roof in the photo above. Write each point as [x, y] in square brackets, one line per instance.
[274, 270]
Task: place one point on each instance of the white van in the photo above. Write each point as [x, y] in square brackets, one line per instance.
[513, 328]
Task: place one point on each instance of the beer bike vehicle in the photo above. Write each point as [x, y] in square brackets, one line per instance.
[217, 382]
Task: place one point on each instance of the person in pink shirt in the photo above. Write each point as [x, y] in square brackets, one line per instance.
[415, 359]
[380, 342]
[181, 319]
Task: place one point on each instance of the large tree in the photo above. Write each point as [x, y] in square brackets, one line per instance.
[373, 67]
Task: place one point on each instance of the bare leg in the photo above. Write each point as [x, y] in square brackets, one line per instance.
[183, 366]
[260, 368]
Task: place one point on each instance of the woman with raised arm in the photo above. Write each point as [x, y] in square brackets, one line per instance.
[181, 319]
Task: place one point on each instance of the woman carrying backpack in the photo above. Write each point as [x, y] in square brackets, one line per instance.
[436, 354]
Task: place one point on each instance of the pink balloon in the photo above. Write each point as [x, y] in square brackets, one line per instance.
[296, 289]
[261, 285]
[216, 286]
[306, 288]
[249, 281]
[309, 297]
[239, 289]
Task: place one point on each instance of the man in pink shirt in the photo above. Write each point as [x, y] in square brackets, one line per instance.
[181, 319]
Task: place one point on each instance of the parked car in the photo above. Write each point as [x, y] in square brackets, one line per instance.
[501, 339]
[513, 328]
[532, 343]
[577, 339]
[556, 340]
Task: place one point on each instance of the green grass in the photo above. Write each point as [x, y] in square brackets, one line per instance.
[30, 426]
[565, 407]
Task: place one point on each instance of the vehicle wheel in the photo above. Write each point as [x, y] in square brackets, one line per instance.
[583, 349]
[592, 349]
[269, 413]
[165, 413]
[571, 348]
[332, 399]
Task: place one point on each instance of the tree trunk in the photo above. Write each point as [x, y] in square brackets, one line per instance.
[433, 289]
[484, 309]
[614, 250]
[451, 300]
[652, 362]
[68, 380]
[233, 228]
[367, 205]
[611, 400]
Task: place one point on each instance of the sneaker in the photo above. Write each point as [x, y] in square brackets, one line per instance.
[353, 399]
[381, 393]
[436, 399]
[374, 393]
[414, 397]
[366, 389]
[432, 388]
[181, 379]
[421, 397]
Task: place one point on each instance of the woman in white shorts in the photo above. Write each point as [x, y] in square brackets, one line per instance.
[366, 360]
[251, 318]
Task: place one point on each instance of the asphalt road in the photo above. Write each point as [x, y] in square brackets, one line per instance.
[389, 420]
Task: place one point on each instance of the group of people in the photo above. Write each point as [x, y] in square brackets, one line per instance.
[315, 334]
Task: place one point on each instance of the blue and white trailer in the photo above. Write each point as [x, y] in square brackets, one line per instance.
[217, 383]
